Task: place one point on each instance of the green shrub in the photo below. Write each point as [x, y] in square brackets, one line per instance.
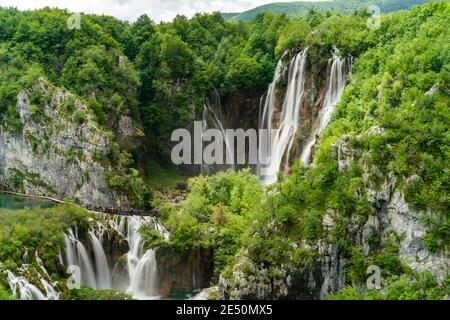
[79, 116]
[85, 293]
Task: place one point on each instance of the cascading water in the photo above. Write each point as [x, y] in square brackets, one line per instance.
[50, 292]
[144, 276]
[22, 289]
[213, 119]
[76, 255]
[103, 275]
[142, 267]
[337, 73]
[94, 268]
[279, 147]
[41, 263]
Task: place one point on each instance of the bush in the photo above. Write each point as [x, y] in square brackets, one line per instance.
[85, 293]
[152, 238]
[39, 230]
[79, 116]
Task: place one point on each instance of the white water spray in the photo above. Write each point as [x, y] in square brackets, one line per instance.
[337, 72]
[102, 272]
[142, 266]
[22, 289]
[279, 147]
[77, 255]
[213, 119]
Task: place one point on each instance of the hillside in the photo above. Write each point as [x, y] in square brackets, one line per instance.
[88, 116]
[300, 8]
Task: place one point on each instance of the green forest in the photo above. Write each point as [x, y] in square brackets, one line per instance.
[159, 76]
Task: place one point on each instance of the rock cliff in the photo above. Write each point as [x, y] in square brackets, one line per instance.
[391, 215]
[58, 149]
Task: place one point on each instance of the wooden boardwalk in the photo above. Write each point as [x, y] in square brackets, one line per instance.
[96, 209]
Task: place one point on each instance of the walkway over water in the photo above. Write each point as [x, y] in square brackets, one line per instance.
[15, 200]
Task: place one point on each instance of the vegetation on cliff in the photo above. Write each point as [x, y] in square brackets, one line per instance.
[399, 83]
[393, 115]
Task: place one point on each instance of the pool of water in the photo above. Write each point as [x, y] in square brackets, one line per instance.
[13, 202]
[180, 296]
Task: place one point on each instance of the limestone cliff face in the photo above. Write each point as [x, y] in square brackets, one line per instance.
[56, 154]
[251, 281]
[183, 271]
[391, 214]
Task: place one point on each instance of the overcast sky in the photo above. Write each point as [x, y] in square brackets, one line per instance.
[158, 10]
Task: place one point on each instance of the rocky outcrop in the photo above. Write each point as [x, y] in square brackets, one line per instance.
[250, 281]
[390, 215]
[58, 151]
[180, 272]
[398, 217]
[129, 134]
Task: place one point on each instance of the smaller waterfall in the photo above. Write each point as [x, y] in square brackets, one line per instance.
[25, 256]
[337, 72]
[50, 292]
[213, 119]
[143, 279]
[103, 275]
[93, 264]
[40, 263]
[22, 289]
[278, 148]
[142, 267]
[77, 255]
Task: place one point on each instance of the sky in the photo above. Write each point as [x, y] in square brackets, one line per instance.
[157, 10]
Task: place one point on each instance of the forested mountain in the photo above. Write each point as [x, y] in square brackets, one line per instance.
[87, 116]
[300, 8]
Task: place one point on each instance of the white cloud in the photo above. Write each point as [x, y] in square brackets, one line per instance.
[158, 10]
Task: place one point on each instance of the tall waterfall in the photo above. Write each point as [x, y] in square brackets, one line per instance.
[278, 145]
[144, 276]
[213, 119]
[336, 75]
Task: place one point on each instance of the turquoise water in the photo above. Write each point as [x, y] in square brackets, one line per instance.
[12, 202]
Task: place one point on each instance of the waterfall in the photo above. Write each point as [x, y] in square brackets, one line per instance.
[279, 147]
[213, 119]
[76, 254]
[50, 292]
[103, 275]
[142, 267]
[40, 263]
[22, 289]
[94, 268]
[143, 279]
[337, 72]
[49, 289]
[25, 256]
